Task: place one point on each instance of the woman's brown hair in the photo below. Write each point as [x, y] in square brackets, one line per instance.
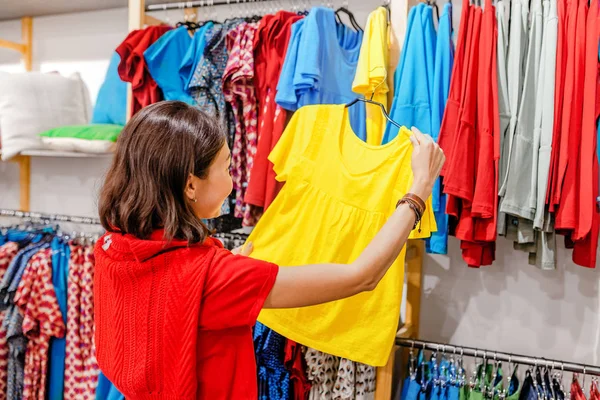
[156, 153]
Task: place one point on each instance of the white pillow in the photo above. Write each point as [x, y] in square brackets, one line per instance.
[31, 103]
[79, 145]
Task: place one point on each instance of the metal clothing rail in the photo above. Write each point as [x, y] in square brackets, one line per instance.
[499, 356]
[198, 3]
[50, 217]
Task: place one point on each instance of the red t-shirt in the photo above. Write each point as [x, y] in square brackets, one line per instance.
[568, 211]
[175, 321]
[588, 226]
[132, 67]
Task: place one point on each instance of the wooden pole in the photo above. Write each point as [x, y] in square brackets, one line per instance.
[137, 14]
[24, 163]
[414, 248]
[27, 39]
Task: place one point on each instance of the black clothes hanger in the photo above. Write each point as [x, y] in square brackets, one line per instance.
[191, 26]
[350, 15]
[385, 114]
[432, 3]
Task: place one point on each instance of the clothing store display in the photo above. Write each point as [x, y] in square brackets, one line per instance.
[319, 137]
[325, 193]
[196, 300]
[133, 69]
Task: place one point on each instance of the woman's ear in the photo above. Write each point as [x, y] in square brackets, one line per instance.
[190, 189]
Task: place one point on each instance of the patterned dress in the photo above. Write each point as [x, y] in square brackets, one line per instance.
[238, 90]
[205, 85]
[335, 378]
[42, 320]
[7, 253]
[81, 369]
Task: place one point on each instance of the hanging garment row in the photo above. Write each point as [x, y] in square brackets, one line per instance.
[445, 375]
[46, 314]
[519, 129]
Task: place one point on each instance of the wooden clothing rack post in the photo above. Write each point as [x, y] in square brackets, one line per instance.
[415, 249]
[24, 162]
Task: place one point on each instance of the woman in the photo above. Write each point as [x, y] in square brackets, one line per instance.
[174, 310]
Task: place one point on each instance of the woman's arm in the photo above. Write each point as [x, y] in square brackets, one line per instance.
[320, 283]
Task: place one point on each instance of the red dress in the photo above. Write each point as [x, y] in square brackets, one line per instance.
[42, 320]
[588, 220]
[270, 47]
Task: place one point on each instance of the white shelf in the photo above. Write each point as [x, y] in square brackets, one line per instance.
[64, 154]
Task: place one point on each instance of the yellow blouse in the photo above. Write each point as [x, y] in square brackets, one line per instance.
[371, 72]
[339, 192]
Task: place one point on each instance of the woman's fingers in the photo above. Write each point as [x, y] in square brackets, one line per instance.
[245, 250]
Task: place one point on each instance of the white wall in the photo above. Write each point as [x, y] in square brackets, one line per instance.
[510, 306]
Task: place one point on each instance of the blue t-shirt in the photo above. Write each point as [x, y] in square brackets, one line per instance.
[444, 60]
[194, 53]
[163, 59]
[412, 81]
[61, 254]
[111, 103]
[320, 65]
[105, 390]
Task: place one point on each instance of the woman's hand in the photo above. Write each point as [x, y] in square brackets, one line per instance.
[244, 250]
[427, 162]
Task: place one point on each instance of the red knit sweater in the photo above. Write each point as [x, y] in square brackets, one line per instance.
[174, 321]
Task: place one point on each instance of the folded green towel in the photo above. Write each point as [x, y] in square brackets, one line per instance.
[106, 132]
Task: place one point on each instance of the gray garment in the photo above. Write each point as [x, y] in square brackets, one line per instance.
[517, 47]
[545, 101]
[503, 104]
[545, 255]
[533, 141]
[519, 196]
[17, 344]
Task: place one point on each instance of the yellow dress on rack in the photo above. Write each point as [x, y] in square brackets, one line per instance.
[339, 192]
[372, 72]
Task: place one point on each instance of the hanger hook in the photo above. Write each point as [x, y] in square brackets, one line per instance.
[384, 80]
